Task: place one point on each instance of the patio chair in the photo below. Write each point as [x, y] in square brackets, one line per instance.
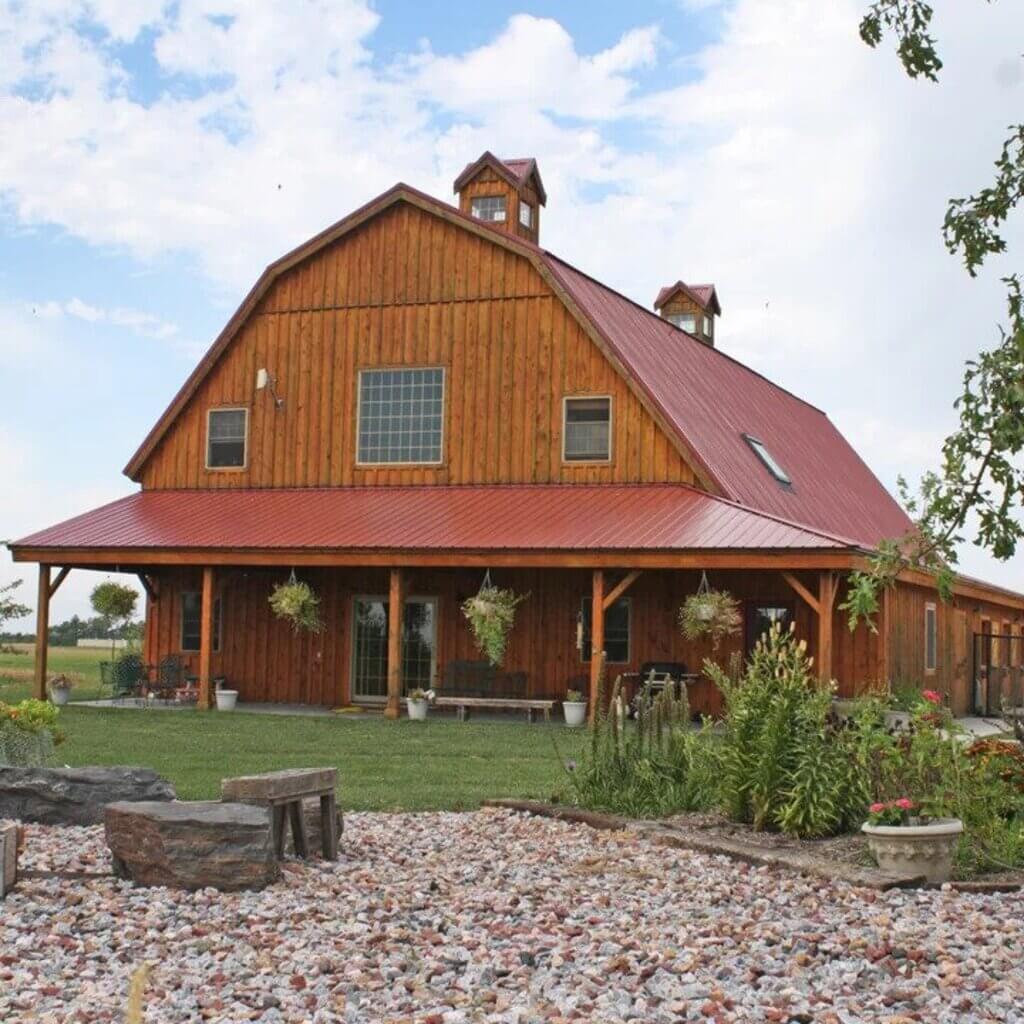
[170, 674]
[128, 675]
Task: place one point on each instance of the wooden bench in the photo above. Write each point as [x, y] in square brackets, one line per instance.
[478, 684]
[462, 705]
[283, 792]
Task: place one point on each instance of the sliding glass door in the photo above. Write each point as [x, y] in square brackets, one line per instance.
[370, 646]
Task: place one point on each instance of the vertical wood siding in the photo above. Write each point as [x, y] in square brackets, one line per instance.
[410, 289]
[266, 661]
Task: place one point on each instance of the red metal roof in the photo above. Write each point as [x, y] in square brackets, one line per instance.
[708, 398]
[713, 401]
[702, 294]
[506, 518]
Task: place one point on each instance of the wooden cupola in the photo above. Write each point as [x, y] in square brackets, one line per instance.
[506, 193]
[691, 307]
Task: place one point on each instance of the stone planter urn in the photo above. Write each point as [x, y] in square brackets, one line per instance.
[897, 721]
[417, 709]
[916, 849]
[226, 700]
[575, 712]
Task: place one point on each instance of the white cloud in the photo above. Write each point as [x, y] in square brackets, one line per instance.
[799, 170]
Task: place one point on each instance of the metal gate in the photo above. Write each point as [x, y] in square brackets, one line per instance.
[997, 673]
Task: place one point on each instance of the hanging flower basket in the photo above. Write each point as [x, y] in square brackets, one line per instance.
[710, 613]
[298, 604]
[491, 615]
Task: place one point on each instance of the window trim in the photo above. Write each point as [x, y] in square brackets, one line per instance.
[490, 220]
[218, 635]
[566, 399]
[931, 615]
[586, 600]
[245, 441]
[763, 455]
[444, 415]
[528, 223]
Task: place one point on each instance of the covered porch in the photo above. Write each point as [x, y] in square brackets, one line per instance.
[606, 569]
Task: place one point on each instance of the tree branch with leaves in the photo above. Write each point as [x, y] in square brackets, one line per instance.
[979, 485]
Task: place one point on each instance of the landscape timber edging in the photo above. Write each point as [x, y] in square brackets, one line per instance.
[738, 849]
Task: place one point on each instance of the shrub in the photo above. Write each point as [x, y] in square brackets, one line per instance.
[783, 763]
[28, 733]
[653, 767]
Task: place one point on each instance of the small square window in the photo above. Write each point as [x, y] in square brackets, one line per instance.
[226, 431]
[766, 457]
[191, 621]
[525, 214]
[587, 435]
[616, 631]
[488, 207]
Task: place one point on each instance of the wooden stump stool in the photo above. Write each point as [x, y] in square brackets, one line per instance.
[283, 792]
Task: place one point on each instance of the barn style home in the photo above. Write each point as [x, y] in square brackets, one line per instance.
[422, 394]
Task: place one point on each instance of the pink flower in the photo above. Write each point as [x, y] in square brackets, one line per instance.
[877, 808]
[932, 697]
[904, 804]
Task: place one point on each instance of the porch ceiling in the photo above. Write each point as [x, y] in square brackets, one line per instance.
[431, 521]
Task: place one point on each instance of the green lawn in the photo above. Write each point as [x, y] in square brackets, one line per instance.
[82, 664]
[437, 765]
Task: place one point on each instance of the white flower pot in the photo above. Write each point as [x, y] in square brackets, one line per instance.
[226, 700]
[575, 712]
[60, 695]
[915, 849]
[417, 709]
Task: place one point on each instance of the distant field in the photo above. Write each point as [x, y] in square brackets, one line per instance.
[82, 664]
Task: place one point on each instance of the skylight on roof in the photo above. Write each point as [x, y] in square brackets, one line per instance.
[768, 459]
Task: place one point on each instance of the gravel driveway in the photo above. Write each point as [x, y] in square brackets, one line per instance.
[493, 916]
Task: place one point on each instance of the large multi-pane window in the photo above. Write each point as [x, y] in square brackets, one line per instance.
[488, 207]
[191, 620]
[587, 430]
[616, 631]
[401, 415]
[225, 438]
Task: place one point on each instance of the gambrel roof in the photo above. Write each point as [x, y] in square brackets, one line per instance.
[708, 403]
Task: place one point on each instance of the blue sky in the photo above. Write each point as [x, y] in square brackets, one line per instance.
[154, 157]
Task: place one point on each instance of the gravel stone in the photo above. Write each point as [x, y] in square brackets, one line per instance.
[500, 917]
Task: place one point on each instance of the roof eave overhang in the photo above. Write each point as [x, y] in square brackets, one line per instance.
[130, 559]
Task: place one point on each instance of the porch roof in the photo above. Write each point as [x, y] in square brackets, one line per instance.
[438, 518]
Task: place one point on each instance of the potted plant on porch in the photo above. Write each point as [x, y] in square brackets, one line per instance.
[906, 842]
[60, 689]
[417, 702]
[226, 699]
[574, 707]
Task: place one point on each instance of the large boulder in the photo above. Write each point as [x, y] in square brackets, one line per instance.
[192, 845]
[75, 796]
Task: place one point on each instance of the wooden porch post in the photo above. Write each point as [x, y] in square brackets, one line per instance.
[396, 611]
[205, 639]
[42, 632]
[826, 598]
[596, 638]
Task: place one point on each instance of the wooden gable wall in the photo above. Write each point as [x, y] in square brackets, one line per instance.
[409, 288]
